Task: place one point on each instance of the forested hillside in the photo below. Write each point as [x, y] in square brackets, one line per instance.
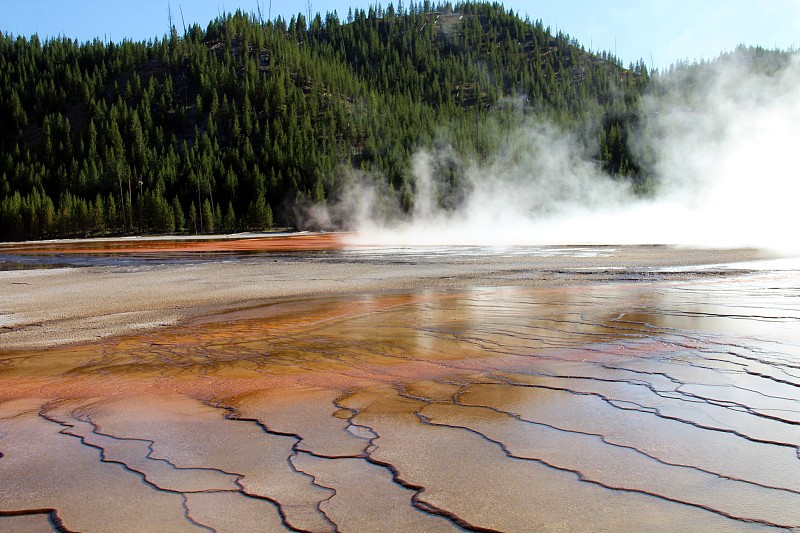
[238, 125]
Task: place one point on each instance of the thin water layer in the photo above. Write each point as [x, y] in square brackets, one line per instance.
[657, 406]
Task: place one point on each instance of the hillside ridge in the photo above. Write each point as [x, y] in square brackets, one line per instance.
[242, 124]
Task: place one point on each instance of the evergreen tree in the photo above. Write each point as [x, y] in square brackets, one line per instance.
[193, 218]
[230, 219]
[177, 213]
[207, 217]
[241, 116]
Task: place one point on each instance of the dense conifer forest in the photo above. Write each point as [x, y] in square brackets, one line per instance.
[242, 124]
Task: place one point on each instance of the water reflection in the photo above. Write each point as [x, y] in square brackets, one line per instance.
[606, 407]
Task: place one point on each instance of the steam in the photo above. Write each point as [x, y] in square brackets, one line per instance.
[726, 147]
[722, 140]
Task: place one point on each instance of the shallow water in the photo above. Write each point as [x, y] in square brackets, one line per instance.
[657, 406]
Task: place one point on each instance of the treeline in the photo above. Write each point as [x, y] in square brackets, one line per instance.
[239, 125]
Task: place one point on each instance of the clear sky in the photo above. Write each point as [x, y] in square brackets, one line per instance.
[658, 31]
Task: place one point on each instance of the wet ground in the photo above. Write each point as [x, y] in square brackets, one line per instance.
[620, 403]
[138, 251]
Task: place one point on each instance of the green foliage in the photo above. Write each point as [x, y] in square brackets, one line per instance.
[177, 215]
[207, 218]
[228, 122]
[259, 215]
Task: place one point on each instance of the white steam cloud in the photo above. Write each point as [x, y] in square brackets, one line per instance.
[724, 141]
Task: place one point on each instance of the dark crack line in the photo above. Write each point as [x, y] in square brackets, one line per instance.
[783, 359]
[231, 414]
[693, 336]
[725, 347]
[151, 452]
[188, 513]
[67, 431]
[745, 366]
[237, 481]
[585, 479]
[771, 378]
[142, 475]
[761, 347]
[755, 318]
[682, 396]
[417, 490]
[740, 407]
[316, 483]
[52, 517]
[727, 404]
[420, 504]
[603, 438]
[616, 403]
[680, 383]
[752, 359]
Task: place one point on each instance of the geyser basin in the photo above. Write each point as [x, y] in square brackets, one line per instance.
[438, 392]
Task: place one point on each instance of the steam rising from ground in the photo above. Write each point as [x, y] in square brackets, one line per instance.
[723, 142]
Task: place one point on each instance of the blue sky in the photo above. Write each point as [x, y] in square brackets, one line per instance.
[658, 31]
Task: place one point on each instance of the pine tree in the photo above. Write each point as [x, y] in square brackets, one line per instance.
[193, 218]
[278, 111]
[230, 218]
[19, 119]
[208, 217]
[177, 212]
